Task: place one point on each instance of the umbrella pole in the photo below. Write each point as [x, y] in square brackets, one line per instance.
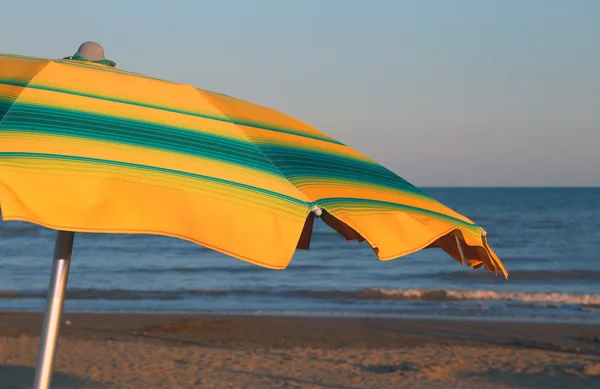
[54, 306]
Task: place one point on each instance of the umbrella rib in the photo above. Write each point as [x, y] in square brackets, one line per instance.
[257, 147]
[27, 85]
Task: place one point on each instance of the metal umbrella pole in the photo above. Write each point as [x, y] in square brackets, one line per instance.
[54, 306]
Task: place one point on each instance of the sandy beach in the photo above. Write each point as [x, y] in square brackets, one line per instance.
[173, 351]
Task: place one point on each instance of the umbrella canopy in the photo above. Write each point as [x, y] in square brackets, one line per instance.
[88, 147]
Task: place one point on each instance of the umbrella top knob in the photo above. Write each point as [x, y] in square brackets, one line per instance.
[317, 210]
[91, 51]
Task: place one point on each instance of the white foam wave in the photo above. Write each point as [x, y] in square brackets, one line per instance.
[492, 295]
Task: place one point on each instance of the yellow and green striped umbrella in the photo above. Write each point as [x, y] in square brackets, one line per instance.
[87, 147]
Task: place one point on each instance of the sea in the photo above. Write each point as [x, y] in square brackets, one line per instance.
[548, 239]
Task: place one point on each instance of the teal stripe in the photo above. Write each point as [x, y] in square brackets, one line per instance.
[25, 118]
[333, 204]
[300, 165]
[69, 158]
[162, 108]
[4, 107]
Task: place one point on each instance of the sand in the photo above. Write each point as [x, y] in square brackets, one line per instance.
[175, 351]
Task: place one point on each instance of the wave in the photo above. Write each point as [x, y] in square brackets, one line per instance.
[591, 308]
[124, 294]
[465, 295]
[428, 295]
[529, 275]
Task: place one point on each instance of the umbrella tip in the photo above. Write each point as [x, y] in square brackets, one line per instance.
[91, 51]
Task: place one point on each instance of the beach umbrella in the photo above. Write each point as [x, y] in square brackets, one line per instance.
[87, 147]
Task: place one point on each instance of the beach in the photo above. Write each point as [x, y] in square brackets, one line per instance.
[120, 350]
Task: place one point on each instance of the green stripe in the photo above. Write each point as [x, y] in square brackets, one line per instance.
[25, 118]
[333, 204]
[162, 108]
[156, 169]
[4, 107]
[299, 165]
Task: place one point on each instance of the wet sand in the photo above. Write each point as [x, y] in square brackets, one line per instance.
[176, 351]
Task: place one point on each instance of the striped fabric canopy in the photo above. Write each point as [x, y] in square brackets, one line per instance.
[87, 147]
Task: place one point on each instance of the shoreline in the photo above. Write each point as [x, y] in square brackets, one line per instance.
[259, 328]
[124, 350]
[515, 319]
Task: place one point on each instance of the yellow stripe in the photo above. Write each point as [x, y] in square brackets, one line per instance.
[123, 86]
[131, 154]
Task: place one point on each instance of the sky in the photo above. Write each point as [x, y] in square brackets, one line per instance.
[444, 93]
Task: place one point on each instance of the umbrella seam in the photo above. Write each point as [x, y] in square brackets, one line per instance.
[23, 89]
[257, 147]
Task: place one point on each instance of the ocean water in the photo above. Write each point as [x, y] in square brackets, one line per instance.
[548, 238]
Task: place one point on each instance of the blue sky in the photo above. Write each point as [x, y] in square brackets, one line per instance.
[444, 93]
